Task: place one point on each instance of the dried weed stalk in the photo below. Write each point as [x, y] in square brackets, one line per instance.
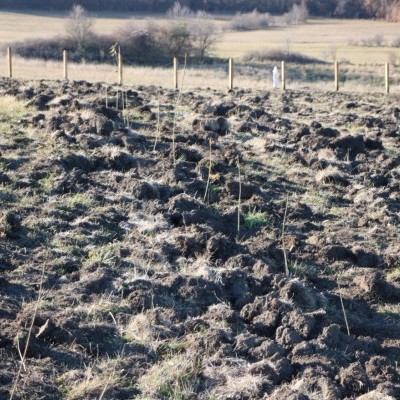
[23, 356]
[106, 96]
[158, 133]
[177, 103]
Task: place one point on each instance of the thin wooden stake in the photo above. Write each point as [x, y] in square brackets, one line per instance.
[177, 103]
[123, 107]
[387, 83]
[126, 108]
[65, 62]
[158, 121]
[239, 199]
[231, 73]
[283, 73]
[343, 309]
[120, 68]
[107, 96]
[283, 237]
[175, 72]
[9, 59]
[337, 77]
[209, 177]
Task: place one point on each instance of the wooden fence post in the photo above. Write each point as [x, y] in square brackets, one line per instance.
[387, 83]
[337, 77]
[231, 74]
[120, 68]
[9, 62]
[283, 67]
[175, 70]
[65, 63]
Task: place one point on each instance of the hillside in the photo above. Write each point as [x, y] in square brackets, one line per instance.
[143, 246]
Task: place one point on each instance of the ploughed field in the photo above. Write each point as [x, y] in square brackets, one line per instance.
[148, 244]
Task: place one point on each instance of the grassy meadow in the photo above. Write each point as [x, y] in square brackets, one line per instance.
[324, 39]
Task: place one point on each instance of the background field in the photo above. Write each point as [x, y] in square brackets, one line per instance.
[325, 39]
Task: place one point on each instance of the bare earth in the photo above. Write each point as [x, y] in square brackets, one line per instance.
[120, 227]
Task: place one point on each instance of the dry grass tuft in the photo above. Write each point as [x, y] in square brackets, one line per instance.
[173, 378]
[232, 380]
[329, 175]
[97, 380]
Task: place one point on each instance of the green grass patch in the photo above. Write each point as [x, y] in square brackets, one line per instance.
[101, 255]
[302, 269]
[255, 219]
[11, 111]
[390, 309]
[46, 184]
[76, 200]
[394, 274]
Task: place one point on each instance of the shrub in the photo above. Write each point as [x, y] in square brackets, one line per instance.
[377, 40]
[96, 50]
[396, 42]
[139, 46]
[249, 21]
[280, 55]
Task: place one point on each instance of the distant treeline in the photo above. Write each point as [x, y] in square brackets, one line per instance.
[388, 9]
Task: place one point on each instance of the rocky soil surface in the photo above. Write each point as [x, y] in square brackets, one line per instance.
[145, 244]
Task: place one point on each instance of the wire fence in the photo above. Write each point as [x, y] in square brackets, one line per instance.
[351, 77]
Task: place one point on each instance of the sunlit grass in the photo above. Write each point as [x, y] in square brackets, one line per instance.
[319, 38]
[11, 109]
[394, 274]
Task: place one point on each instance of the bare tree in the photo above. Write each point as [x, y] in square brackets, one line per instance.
[79, 28]
[393, 13]
[190, 32]
[204, 33]
[179, 39]
[376, 8]
[178, 11]
[298, 14]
